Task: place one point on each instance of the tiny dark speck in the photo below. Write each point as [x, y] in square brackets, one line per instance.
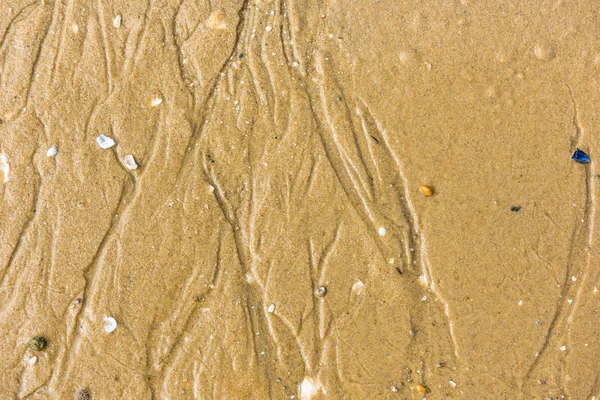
[580, 157]
[515, 208]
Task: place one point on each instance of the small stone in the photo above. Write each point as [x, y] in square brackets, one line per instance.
[155, 102]
[515, 208]
[52, 151]
[394, 389]
[4, 166]
[130, 162]
[321, 291]
[117, 21]
[426, 190]
[563, 348]
[421, 389]
[271, 308]
[216, 20]
[580, 157]
[544, 51]
[32, 360]
[84, 394]
[105, 142]
[38, 343]
[110, 324]
[452, 383]
[382, 231]
[358, 287]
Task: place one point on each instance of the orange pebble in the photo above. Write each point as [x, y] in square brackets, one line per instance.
[421, 389]
[426, 190]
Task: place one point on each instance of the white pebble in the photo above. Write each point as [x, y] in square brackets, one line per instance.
[309, 388]
[110, 324]
[271, 308]
[4, 166]
[452, 383]
[269, 28]
[130, 162]
[156, 101]
[563, 348]
[211, 188]
[32, 360]
[105, 142]
[51, 151]
[382, 231]
[117, 21]
[358, 287]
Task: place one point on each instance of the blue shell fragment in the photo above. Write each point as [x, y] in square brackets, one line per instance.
[580, 157]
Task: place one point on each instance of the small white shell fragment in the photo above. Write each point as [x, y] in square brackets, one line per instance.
[309, 388]
[32, 360]
[382, 231]
[271, 308]
[211, 188]
[130, 162]
[105, 142]
[52, 151]
[156, 101]
[110, 324]
[75, 28]
[452, 383]
[563, 348]
[4, 166]
[358, 287]
[117, 21]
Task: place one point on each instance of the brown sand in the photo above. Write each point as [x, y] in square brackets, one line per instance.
[273, 241]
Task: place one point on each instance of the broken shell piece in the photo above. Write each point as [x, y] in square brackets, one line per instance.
[117, 21]
[51, 151]
[271, 308]
[110, 324]
[32, 360]
[216, 20]
[130, 162]
[105, 142]
[358, 287]
[156, 101]
[309, 388]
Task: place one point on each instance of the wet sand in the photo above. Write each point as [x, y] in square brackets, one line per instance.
[262, 199]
